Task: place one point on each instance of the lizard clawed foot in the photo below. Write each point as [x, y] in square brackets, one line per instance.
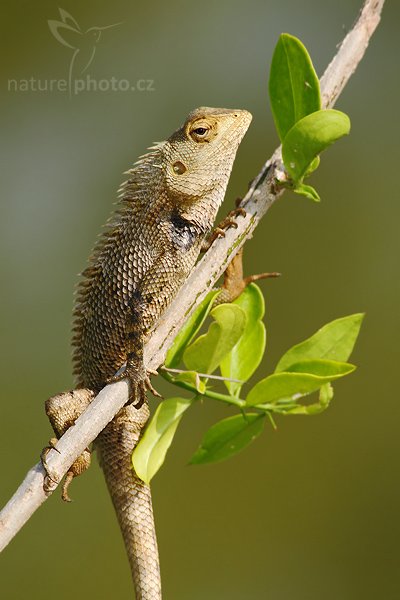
[230, 219]
[139, 383]
[52, 480]
[226, 223]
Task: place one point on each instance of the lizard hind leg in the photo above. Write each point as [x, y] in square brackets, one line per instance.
[62, 411]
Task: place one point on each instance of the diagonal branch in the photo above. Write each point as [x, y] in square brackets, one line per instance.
[262, 194]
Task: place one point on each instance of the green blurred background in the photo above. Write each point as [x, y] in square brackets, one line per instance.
[311, 510]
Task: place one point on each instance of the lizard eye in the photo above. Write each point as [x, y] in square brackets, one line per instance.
[200, 134]
[200, 131]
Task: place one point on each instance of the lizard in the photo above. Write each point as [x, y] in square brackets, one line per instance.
[149, 246]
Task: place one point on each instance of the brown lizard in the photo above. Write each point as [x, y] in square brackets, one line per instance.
[149, 246]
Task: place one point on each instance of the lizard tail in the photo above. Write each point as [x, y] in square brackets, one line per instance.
[131, 498]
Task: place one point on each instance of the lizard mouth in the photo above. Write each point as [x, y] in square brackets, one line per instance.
[234, 134]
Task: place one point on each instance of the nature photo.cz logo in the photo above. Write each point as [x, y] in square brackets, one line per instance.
[82, 44]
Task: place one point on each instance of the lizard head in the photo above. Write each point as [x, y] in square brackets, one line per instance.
[199, 156]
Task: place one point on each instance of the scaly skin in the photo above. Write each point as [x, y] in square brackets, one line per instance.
[131, 498]
[147, 250]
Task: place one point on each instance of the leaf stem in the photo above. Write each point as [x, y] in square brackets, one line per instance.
[208, 393]
[239, 402]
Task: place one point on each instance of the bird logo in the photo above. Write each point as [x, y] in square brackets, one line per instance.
[83, 43]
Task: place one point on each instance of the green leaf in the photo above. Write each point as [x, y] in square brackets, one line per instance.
[246, 355]
[189, 330]
[288, 385]
[208, 350]
[190, 377]
[320, 367]
[228, 437]
[308, 191]
[293, 84]
[309, 137]
[313, 166]
[150, 452]
[334, 341]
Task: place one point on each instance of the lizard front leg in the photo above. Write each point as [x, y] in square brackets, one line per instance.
[234, 281]
[134, 370]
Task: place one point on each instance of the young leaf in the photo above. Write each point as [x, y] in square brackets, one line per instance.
[150, 452]
[189, 330]
[308, 191]
[309, 137]
[313, 166]
[246, 355]
[227, 437]
[334, 341]
[192, 378]
[208, 350]
[293, 84]
[325, 396]
[287, 385]
[310, 409]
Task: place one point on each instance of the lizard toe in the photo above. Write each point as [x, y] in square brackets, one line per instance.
[51, 480]
[117, 378]
[151, 389]
[138, 394]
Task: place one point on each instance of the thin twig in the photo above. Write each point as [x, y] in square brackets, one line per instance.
[205, 375]
[262, 194]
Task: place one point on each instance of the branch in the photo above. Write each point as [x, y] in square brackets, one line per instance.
[262, 194]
